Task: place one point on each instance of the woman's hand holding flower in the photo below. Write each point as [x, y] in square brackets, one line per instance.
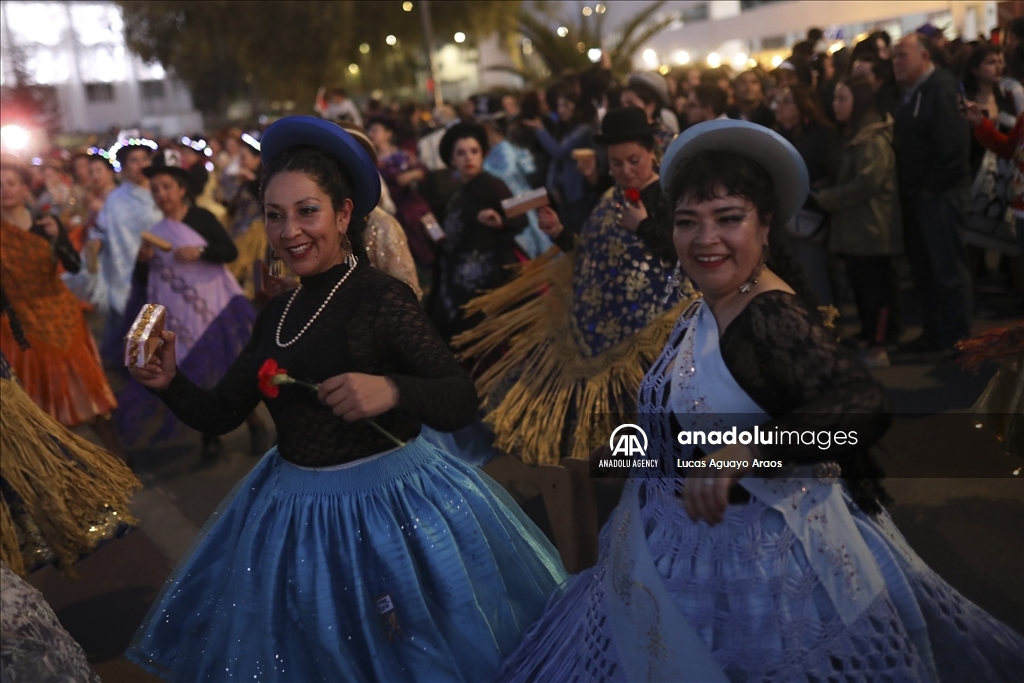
[353, 396]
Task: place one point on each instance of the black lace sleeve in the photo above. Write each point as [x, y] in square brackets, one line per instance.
[219, 246]
[433, 388]
[795, 370]
[225, 407]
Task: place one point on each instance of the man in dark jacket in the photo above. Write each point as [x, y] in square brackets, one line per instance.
[932, 141]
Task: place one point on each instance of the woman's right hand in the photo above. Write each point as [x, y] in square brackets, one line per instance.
[973, 113]
[587, 166]
[162, 367]
[548, 222]
[146, 253]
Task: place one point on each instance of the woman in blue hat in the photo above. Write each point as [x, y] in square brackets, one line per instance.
[354, 551]
[745, 558]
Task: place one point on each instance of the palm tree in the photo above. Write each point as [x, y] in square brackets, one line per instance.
[557, 53]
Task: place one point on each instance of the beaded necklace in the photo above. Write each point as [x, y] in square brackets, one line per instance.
[351, 261]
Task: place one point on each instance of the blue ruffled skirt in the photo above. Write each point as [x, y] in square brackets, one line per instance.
[754, 605]
[407, 566]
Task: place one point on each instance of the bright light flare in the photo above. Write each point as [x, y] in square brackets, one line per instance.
[776, 60]
[14, 137]
[460, 37]
[587, 11]
[563, 31]
[651, 58]
[682, 57]
[739, 61]
[714, 60]
[391, 40]
[407, 6]
[594, 54]
[600, 9]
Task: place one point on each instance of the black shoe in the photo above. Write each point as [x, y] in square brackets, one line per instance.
[259, 441]
[212, 447]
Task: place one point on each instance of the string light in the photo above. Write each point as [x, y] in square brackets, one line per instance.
[587, 11]
[407, 6]
[365, 48]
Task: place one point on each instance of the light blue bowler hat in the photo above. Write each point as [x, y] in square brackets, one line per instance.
[769, 149]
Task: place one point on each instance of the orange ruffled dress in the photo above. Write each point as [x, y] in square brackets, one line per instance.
[61, 370]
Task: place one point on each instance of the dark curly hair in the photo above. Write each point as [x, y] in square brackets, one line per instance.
[715, 174]
[329, 175]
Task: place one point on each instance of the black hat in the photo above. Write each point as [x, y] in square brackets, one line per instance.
[626, 124]
[461, 131]
[168, 162]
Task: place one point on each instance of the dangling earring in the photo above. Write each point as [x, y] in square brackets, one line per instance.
[674, 283]
[276, 268]
[749, 284]
[346, 243]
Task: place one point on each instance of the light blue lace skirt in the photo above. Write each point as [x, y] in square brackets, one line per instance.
[747, 590]
[409, 566]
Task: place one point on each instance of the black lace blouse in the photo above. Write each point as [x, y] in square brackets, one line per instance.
[793, 367]
[373, 325]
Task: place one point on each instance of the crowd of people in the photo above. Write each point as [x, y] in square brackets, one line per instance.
[695, 234]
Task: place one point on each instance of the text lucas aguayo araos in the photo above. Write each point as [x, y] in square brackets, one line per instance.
[629, 442]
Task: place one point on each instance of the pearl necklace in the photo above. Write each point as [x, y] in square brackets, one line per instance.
[351, 261]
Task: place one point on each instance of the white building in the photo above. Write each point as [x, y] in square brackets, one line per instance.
[78, 50]
[735, 28]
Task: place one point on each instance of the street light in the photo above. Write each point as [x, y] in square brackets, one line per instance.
[460, 37]
[563, 31]
[600, 9]
[587, 11]
[353, 69]
[391, 40]
[714, 60]
[776, 60]
[365, 48]
[682, 57]
[594, 54]
[407, 6]
[14, 137]
[739, 61]
[650, 58]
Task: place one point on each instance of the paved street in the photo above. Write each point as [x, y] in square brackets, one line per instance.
[970, 530]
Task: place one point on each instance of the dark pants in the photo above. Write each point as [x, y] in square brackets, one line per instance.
[872, 283]
[932, 234]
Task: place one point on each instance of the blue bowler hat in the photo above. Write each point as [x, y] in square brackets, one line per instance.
[309, 131]
[770, 150]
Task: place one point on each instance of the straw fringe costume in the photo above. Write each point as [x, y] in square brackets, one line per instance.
[579, 331]
[62, 495]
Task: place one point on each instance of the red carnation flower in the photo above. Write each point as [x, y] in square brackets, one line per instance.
[632, 195]
[268, 371]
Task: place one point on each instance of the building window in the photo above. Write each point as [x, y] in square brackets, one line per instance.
[153, 90]
[99, 92]
[774, 43]
[695, 13]
[751, 4]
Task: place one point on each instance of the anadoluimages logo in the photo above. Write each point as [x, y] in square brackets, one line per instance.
[627, 443]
